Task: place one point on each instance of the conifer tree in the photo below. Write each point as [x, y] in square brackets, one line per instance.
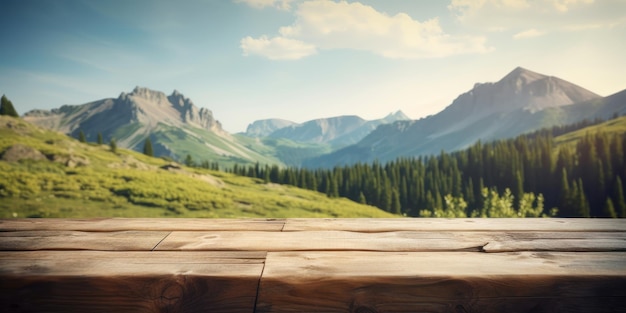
[275, 174]
[113, 145]
[395, 203]
[565, 196]
[189, 160]
[302, 181]
[362, 199]
[266, 174]
[469, 192]
[618, 197]
[518, 189]
[581, 199]
[609, 209]
[332, 190]
[311, 181]
[100, 139]
[147, 147]
[81, 136]
[6, 107]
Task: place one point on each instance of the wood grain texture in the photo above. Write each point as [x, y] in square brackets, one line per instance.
[564, 245]
[157, 224]
[457, 224]
[581, 241]
[443, 282]
[77, 240]
[94, 281]
[323, 241]
[317, 264]
[313, 265]
[410, 241]
[446, 294]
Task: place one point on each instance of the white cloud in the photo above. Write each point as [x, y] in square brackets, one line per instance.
[465, 8]
[549, 15]
[528, 34]
[327, 25]
[259, 4]
[277, 48]
[565, 5]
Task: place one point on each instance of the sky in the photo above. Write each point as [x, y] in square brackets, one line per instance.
[299, 60]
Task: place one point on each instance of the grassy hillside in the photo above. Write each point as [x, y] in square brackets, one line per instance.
[88, 180]
[613, 126]
[204, 145]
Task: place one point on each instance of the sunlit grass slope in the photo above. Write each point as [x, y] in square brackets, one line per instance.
[129, 184]
[613, 126]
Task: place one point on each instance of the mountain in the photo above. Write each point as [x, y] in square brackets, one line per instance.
[293, 143]
[520, 102]
[174, 124]
[322, 130]
[337, 131]
[48, 174]
[263, 128]
[360, 132]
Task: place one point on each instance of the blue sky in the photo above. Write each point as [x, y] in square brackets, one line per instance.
[302, 59]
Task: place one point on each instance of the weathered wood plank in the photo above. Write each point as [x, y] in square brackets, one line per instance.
[360, 225]
[323, 241]
[564, 245]
[77, 240]
[556, 241]
[410, 241]
[329, 265]
[93, 281]
[443, 282]
[460, 224]
[156, 224]
[19, 262]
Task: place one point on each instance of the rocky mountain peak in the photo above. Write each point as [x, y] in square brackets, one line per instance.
[522, 75]
[397, 116]
[153, 96]
[146, 109]
[152, 107]
[519, 89]
[179, 101]
[263, 128]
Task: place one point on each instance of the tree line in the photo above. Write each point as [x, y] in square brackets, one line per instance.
[524, 176]
[7, 108]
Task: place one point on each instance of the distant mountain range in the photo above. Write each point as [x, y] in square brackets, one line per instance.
[520, 102]
[337, 131]
[178, 128]
[263, 128]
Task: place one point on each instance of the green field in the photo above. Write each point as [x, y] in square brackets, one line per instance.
[101, 183]
[613, 126]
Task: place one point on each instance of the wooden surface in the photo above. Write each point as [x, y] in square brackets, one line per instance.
[313, 265]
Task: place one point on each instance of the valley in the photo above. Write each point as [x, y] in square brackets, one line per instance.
[53, 175]
[526, 145]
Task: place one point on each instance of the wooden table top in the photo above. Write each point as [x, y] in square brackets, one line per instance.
[312, 265]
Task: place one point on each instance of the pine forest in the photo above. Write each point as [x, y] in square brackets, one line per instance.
[528, 176]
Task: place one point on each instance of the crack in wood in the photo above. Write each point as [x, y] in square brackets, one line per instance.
[258, 286]
[158, 243]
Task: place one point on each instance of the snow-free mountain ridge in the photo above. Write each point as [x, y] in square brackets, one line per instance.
[175, 125]
[337, 131]
[263, 128]
[522, 101]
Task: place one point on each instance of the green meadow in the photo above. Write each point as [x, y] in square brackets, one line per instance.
[80, 180]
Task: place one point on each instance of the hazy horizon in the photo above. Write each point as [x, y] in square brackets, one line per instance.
[302, 59]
